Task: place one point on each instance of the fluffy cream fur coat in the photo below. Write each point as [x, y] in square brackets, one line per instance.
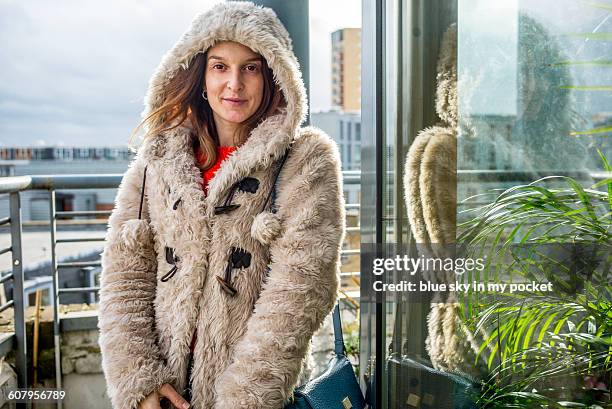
[251, 346]
[430, 188]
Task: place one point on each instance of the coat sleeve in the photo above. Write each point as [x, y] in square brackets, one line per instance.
[302, 286]
[131, 360]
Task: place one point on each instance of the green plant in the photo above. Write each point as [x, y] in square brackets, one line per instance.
[351, 342]
[544, 349]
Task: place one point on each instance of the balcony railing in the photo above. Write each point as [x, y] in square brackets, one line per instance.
[13, 186]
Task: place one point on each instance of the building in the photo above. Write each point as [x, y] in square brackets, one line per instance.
[64, 153]
[343, 121]
[345, 129]
[346, 69]
[19, 161]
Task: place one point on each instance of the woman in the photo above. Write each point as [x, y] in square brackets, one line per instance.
[212, 287]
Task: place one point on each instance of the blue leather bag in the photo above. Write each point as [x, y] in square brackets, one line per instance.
[337, 387]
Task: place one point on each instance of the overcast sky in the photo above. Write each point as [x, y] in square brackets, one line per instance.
[75, 72]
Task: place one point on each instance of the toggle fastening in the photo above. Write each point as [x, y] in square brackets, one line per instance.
[238, 258]
[171, 258]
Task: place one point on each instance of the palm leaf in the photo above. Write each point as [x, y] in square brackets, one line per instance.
[592, 131]
[605, 6]
[590, 62]
[587, 87]
[592, 36]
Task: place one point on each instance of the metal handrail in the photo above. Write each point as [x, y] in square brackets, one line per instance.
[57, 182]
[79, 290]
[93, 181]
[70, 214]
[81, 264]
[8, 305]
[6, 278]
[79, 240]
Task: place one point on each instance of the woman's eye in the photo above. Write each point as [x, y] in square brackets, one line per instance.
[217, 67]
[252, 68]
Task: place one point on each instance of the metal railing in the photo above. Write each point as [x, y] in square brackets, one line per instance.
[52, 183]
[17, 276]
[13, 186]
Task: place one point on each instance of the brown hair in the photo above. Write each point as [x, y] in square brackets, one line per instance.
[183, 99]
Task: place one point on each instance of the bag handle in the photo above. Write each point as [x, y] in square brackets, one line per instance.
[272, 193]
[142, 191]
[339, 347]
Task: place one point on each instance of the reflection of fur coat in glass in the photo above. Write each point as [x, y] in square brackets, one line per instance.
[430, 187]
[251, 346]
[539, 141]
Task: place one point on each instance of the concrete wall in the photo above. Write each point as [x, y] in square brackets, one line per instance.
[82, 378]
[8, 381]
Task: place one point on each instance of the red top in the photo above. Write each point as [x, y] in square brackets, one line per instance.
[222, 153]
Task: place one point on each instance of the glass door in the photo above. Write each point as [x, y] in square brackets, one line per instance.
[487, 124]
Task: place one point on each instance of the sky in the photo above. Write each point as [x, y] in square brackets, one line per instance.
[74, 73]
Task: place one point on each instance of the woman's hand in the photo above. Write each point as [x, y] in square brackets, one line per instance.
[166, 391]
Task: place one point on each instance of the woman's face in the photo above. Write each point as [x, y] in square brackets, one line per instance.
[233, 82]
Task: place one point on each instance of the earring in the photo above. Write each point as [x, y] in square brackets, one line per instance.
[204, 95]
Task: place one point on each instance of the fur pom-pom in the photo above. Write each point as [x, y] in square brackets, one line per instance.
[266, 227]
[135, 233]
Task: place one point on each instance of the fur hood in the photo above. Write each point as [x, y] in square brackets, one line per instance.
[254, 26]
[252, 282]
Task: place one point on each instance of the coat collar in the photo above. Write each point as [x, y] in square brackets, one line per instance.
[171, 154]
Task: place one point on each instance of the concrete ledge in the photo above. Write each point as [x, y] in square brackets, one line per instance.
[7, 343]
[79, 321]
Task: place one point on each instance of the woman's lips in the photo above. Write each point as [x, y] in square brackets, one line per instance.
[234, 101]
